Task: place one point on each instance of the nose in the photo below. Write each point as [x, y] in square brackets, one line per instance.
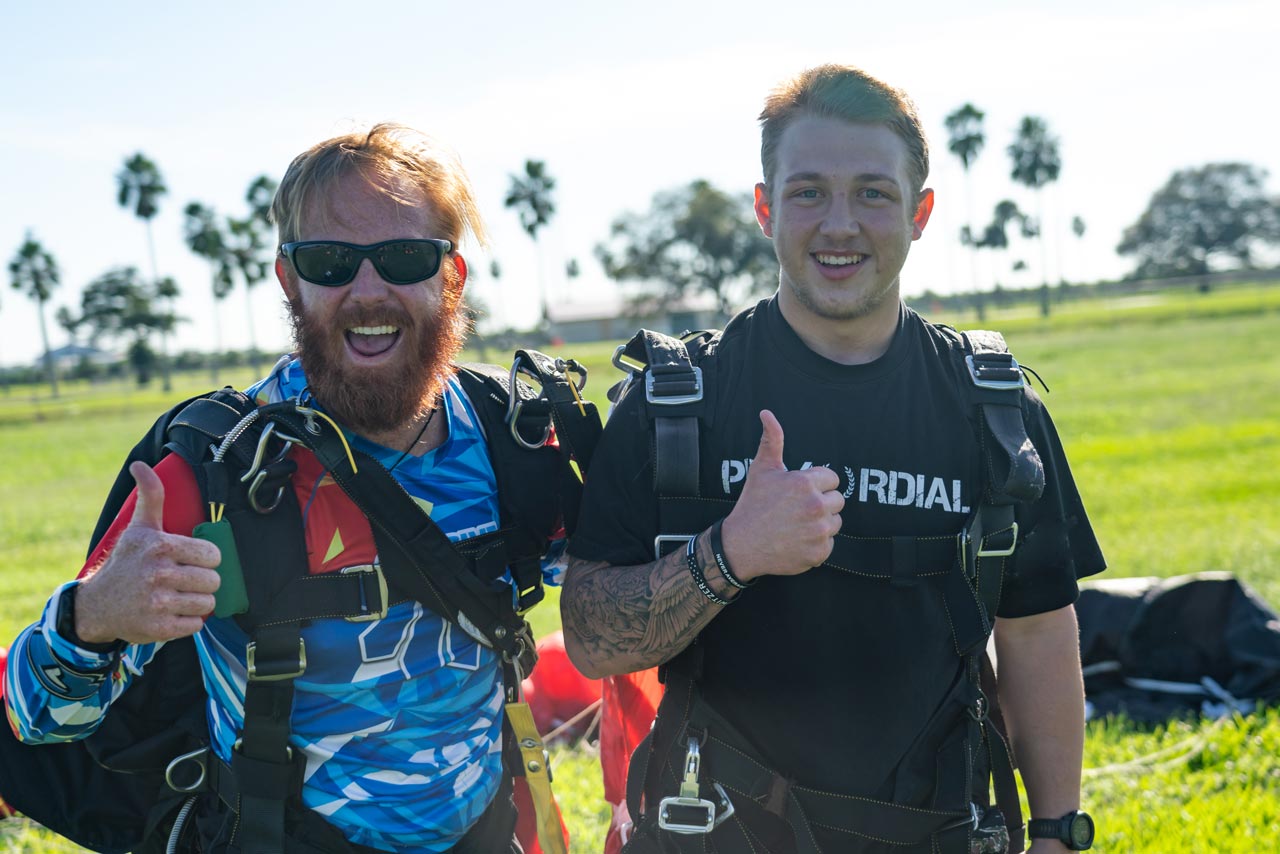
[368, 285]
[841, 216]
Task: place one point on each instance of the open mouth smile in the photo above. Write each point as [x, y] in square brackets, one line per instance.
[371, 341]
[831, 259]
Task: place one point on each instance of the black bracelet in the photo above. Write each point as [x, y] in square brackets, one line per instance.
[717, 550]
[695, 569]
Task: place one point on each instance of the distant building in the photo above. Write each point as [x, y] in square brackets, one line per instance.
[612, 319]
[65, 358]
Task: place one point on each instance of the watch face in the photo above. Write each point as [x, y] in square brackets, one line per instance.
[1081, 831]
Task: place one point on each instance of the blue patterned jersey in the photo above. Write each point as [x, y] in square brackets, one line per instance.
[399, 719]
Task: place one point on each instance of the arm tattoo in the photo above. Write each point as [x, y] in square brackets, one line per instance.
[631, 617]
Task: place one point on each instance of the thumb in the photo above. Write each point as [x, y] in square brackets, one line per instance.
[150, 510]
[769, 456]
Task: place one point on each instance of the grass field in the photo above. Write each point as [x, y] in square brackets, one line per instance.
[1169, 412]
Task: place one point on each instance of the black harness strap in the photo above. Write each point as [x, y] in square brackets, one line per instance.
[676, 397]
[968, 569]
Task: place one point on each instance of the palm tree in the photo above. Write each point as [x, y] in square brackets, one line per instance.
[1077, 228]
[140, 187]
[204, 237]
[1036, 162]
[34, 271]
[248, 246]
[964, 128]
[530, 195]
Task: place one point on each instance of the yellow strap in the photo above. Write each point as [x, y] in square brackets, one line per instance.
[573, 387]
[533, 754]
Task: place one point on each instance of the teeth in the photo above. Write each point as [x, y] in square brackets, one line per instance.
[373, 330]
[839, 260]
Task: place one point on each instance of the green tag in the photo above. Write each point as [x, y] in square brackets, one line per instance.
[231, 597]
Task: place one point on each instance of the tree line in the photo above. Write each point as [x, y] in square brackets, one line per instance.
[693, 239]
[125, 306]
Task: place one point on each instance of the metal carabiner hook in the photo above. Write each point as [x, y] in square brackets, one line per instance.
[261, 451]
[515, 405]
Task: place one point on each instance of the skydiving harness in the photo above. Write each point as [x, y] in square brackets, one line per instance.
[240, 455]
[677, 803]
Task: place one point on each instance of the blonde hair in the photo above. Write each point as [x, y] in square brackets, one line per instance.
[847, 93]
[392, 157]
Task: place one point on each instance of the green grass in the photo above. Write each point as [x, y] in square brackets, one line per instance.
[1167, 405]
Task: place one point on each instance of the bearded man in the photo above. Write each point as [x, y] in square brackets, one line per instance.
[396, 718]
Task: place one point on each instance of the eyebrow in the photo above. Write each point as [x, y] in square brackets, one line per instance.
[864, 177]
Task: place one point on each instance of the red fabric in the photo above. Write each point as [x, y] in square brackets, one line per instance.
[556, 692]
[331, 517]
[183, 509]
[630, 703]
[527, 821]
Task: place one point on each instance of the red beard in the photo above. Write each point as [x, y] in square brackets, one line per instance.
[384, 398]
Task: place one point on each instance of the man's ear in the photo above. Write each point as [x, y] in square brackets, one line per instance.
[764, 214]
[924, 207]
[282, 275]
[460, 264]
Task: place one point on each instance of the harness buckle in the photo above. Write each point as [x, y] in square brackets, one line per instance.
[251, 665]
[665, 544]
[998, 371]
[674, 388]
[172, 775]
[1013, 544]
[370, 614]
[687, 813]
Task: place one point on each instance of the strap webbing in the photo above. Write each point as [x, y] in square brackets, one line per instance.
[537, 772]
[421, 560]
[262, 760]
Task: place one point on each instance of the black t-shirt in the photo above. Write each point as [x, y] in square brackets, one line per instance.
[831, 676]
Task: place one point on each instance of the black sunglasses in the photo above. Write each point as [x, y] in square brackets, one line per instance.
[332, 263]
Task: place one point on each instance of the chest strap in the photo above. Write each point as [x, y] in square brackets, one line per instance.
[415, 556]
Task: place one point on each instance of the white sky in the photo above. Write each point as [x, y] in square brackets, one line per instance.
[620, 100]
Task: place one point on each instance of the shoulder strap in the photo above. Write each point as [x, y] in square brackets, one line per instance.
[678, 379]
[539, 481]
[1012, 466]
[186, 429]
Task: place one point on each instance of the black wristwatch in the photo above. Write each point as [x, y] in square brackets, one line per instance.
[66, 623]
[1074, 830]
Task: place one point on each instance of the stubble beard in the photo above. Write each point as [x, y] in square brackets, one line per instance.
[863, 305]
[381, 399]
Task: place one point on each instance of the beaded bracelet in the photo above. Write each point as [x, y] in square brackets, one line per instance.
[695, 570]
[717, 549]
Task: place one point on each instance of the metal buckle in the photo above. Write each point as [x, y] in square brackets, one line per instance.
[238, 744]
[252, 668]
[688, 799]
[198, 757]
[678, 540]
[384, 597]
[673, 399]
[626, 364]
[976, 370]
[1013, 544]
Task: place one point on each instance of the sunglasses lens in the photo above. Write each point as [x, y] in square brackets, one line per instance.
[329, 264]
[404, 262]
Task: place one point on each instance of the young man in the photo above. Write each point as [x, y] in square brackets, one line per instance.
[397, 714]
[813, 634]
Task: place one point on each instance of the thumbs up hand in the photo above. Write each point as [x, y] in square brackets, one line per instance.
[785, 522]
[155, 586]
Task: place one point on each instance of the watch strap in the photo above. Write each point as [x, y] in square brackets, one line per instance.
[1047, 828]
